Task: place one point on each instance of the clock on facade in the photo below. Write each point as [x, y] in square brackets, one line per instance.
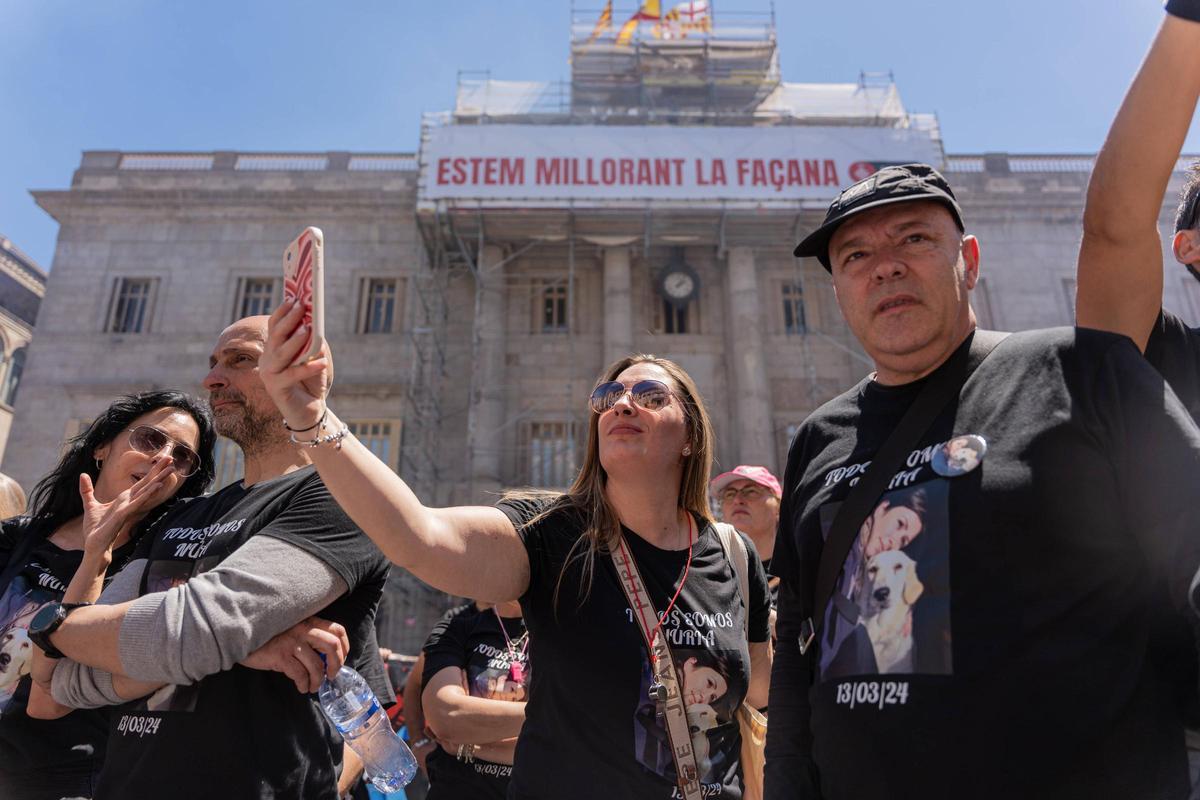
[678, 282]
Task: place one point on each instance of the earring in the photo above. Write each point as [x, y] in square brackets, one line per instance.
[99, 464]
[687, 451]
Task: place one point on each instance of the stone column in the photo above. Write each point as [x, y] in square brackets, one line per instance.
[486, 413]
[618, 304]
[750, 395]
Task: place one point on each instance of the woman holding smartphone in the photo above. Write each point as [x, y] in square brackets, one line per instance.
[121, 458]
[594, 724]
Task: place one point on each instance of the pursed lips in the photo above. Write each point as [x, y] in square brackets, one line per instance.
[895, 302]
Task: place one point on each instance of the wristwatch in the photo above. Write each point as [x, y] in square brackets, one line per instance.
[46, 621]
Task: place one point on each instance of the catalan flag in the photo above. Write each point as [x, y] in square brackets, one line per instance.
[603, 24]
[650, 11]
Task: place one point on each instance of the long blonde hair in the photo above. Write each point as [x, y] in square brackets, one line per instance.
[588, 496]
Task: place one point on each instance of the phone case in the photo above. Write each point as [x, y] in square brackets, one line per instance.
[304, 279]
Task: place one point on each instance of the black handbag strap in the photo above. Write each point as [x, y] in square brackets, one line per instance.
[943, 385]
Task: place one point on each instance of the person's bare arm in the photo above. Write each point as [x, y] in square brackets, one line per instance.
[209, 623]
[352, 770]
[454, 715]
[761, 656]
[466, 551]
[414, 714]
[1120, 272]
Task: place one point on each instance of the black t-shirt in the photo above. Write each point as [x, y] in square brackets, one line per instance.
[988, 636]
[41, 759]
[246, 733]
[1174, 350]
[473, 641]
[591, 729]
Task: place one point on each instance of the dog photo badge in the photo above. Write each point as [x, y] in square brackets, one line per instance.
[960, 455]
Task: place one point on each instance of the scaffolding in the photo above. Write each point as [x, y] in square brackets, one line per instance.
[728, 66]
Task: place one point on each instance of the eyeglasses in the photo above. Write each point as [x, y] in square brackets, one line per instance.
[650, 395]
[748, 493]
[148, 440]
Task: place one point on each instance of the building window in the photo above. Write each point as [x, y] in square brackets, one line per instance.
[554, 309]
[981, 302]
[381, 437]
[377, 312]
[787, 436]
[256, 297]
[132, 304]
[671, 318]
[794, 321]
[228, 463]
[552, 454]
[12, 376]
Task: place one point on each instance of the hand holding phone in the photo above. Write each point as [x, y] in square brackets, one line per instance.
[304, 281]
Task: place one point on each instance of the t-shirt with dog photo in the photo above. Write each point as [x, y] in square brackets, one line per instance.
[592, 729]
[246, 733]
[39, 758]
[988, 634]
[474, 642]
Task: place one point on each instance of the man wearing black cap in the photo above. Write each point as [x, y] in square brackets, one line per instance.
[985, 633]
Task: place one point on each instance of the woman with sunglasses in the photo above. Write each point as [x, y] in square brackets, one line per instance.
[594, 725]
[120, 458]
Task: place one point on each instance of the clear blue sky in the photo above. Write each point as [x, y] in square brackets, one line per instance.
[1012, 75]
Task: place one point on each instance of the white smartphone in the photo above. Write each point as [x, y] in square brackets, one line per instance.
[304, 279]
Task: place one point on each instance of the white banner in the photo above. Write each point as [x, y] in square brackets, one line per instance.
[658, 162]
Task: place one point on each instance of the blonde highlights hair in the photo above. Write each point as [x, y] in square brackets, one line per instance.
[588, 495]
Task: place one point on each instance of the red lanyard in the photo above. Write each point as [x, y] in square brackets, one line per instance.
[516, 669]
[687, 566]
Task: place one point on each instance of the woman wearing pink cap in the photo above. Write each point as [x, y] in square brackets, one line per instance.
[749, 498]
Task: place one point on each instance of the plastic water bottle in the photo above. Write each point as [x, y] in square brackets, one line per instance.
[355, 711]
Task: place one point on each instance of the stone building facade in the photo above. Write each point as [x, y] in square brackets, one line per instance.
[22, 286]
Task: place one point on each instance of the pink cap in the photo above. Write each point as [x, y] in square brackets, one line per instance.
[743, 472]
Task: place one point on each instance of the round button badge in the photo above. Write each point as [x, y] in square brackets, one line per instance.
[960, 455]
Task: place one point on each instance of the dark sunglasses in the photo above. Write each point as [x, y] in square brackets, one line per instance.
[148, 440]
[650, 395]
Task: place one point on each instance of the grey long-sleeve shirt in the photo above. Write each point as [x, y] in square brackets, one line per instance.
[207, 624]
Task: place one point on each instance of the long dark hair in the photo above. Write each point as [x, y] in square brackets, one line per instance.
[56, 500]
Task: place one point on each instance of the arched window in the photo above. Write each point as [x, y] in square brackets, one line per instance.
[12, 378]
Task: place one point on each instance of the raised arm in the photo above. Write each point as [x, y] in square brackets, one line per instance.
[1120, 271]
[466, 551]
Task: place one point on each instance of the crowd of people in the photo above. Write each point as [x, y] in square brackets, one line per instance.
[979, 574]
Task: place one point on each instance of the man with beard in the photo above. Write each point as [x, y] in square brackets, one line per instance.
[214, 581]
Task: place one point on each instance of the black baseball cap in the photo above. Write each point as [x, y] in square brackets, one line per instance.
[894, 184]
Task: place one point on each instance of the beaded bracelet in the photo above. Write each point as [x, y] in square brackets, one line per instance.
[334, 438]
[1187, 9]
